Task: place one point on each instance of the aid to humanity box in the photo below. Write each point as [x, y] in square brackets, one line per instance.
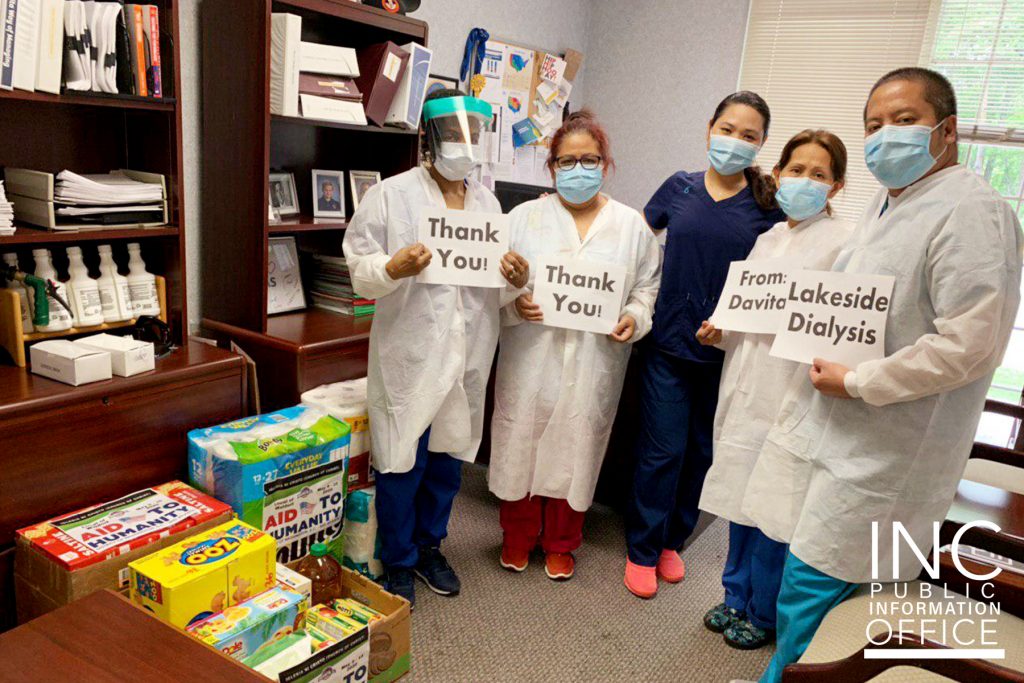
[68, 557]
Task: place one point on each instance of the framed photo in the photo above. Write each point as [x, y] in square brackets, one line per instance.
[284, 279]
[435, 82]
[282, 194]
[328, 194]
[361, 182]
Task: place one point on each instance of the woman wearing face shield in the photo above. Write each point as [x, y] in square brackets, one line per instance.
[431, 346]
[710, 218]
[557, 390]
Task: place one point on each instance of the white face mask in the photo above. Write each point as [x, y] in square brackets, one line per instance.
[455, 160]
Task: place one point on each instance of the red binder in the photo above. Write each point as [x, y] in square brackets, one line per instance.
[381, 68]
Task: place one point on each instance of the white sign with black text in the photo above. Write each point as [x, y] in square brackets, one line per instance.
[839, 317]
[578, 294]
[754, 296]
[466, 247]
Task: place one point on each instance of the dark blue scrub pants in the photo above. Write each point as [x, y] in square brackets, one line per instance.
[677, 404]
[413, 507]
[753, 574]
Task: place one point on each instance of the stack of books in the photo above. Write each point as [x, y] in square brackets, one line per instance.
[6, 213]
[331, 287]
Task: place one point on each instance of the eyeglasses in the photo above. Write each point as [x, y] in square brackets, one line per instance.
[587, 161]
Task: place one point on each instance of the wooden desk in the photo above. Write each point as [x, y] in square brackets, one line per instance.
[68, 447]
[300, 351]
[103, 637]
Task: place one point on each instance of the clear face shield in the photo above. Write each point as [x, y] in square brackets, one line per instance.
[453, 126]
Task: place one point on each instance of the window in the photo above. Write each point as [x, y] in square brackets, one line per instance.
[815, 61]
[979, 46]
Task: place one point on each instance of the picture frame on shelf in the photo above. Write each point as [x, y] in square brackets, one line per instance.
[328, 193]
[282, 194]
[284, 279]
[360, 183]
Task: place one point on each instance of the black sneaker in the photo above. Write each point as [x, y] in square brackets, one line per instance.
[399, 581]
[434, 570]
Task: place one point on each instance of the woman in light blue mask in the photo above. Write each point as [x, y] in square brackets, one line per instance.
[811, 170]
[557, 390]
[710, 218]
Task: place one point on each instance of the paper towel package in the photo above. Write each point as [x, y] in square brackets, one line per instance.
[346, 401]
[282, 472]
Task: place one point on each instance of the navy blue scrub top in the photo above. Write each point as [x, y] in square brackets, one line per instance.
[703, 238]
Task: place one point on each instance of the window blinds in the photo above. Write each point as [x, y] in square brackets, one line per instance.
[814, 61]
[979, 46]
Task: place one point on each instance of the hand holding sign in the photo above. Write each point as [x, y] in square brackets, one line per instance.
[516, 269]
[829, 378]
[468, 247]
[408, 261]
[528, 310]
[580, 295]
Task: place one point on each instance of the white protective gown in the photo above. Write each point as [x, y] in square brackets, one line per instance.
[753, 382]
[431, 346]
[830, 467]
[557, 390]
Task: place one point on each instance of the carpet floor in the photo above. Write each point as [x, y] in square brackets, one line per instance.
[525, 627]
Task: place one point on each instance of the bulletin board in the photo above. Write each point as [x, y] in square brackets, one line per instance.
[528, 90]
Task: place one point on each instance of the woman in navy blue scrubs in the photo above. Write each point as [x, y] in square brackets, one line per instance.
[712, 218]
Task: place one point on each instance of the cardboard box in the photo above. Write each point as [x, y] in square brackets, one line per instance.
[127, 356]
[191, 580]
[241, 631]
[68, 557]
[68, 362]
[345, 661]
[390, 637]
[289, 579]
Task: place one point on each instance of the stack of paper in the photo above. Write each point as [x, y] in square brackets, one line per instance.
[6, 213]
[107, 198]
[331, 288]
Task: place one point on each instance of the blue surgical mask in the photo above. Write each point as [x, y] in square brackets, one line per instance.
[801, 198]
[900, 155]
[578, 185]
[731, 155]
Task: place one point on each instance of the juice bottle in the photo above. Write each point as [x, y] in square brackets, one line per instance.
[324, 572]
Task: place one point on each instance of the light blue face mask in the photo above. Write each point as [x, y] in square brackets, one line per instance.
[899, 155]
[801, 198]
[730, 155]
[578, 185]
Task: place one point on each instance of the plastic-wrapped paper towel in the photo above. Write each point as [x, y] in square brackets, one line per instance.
[362, 548]
[346, 401]
[282, 472]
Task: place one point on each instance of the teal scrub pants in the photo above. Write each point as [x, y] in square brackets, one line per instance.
[806, 596]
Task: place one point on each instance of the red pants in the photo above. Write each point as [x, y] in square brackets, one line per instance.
[550, 520]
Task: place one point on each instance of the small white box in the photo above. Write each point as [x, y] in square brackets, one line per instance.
[127, 356]
[68, 362]
[290, 579]
[332, 60]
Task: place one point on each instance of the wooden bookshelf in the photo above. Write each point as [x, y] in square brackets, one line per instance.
[242, 144]
[89, 132]
[67, 447]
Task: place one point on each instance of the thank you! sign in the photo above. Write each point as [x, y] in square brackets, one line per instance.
[754, 296]
[836, 316]
[578, 294]
[466, 247]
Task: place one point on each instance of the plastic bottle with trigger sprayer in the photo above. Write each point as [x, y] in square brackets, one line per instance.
[60, 318]
[141, 283]
[115, 296]
[24, 293]
[83, 291]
